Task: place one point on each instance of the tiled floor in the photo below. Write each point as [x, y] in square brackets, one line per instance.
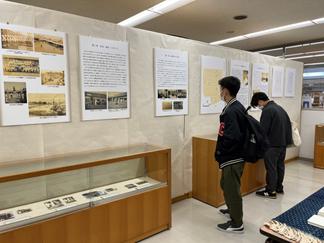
[194, 221]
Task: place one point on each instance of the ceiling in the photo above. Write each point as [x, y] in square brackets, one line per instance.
[210, 20]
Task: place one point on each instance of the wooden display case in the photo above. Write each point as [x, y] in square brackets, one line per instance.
[120, 195]
[206, 174]
[319, 146]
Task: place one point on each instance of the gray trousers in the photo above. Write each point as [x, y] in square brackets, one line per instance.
[274, 161]
[231, 186]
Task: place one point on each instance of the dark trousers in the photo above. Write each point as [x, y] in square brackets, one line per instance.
[274, 160]
[231, 186]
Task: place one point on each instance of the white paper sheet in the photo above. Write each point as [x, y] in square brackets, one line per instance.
[241, 70]
[260, 78]
[33, 76]
[171, 82]
[290, 82]
[277, 81]
[212, 70]
[105, 79]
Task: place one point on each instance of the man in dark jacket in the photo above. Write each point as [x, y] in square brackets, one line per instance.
[277, 125]
[229, 153]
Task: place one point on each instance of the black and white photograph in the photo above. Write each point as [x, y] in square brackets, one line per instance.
[17, 40]
[178, 105]
[141, 182]
[48, 44]
[130, 186]
[110, 189]
[15, 92]
[6, 216]
[21, 66]
[46, 104]
[117, 100]
[53, 204]
[93, 194]
[172, 93]
[69, 199]
[95, 100]
[24, 210]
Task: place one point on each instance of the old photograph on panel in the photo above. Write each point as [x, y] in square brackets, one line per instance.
[17, 40]
[95, 100]
[178, 105]
[117, 100]
[245, 78]
[48, 44]
[166, 105]
[44, 104]
[265, 77]
[172, 93]
[53, 78]
[15, 92]
[20, 66]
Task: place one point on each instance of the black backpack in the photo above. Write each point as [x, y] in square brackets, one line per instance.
[255, 141]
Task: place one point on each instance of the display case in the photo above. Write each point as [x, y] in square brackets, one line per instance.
[120, 195]
[206, 174]
[319, 147]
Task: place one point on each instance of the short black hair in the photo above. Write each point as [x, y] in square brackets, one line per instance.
[258, 96]
[232, 84]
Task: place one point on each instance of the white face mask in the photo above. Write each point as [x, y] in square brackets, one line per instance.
[261, 107]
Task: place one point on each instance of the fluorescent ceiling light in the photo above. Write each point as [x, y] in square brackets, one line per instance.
[269, 50]
[272, 31]
[314, 64]
[303, 53]
[237, 38]
[313, 74]
[304, 57]
[318, 21]
[280, 29]
[153, 12]
[169, 5]
[139, 18]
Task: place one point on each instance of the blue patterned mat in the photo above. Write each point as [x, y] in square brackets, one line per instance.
[298, 215]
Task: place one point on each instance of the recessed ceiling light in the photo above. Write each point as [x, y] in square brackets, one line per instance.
[240, 17]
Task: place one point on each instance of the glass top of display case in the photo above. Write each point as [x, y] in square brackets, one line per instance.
[13, 170]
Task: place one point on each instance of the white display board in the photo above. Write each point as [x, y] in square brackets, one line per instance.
[212, 70]
[290, 82]
[171, 82]
[260, 78]
[241, 70]
[105, 78]
[277, 81]
[34, 80]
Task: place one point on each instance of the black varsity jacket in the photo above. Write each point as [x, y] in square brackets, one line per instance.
[232, 128]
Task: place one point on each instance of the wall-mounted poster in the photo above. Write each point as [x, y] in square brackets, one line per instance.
[241, 70]
[212, 70]
[260, 78]
[277, 81]
[105, 79]
[290, 82]
[34, 81]
[171, 82]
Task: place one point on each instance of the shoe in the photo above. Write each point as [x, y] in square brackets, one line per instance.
[280, 191]
[225, 212]
[267, 194]
[230, 228]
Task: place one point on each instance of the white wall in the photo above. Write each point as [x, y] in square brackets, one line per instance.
[309, 118]
[176, 132]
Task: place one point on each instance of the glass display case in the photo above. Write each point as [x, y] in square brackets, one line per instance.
[39, 191]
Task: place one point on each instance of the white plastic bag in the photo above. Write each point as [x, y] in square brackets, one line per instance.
[295, 134]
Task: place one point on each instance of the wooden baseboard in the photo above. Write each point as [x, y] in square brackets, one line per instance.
[182, 197]
[306, 159]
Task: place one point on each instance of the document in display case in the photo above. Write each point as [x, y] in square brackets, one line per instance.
[96, 190]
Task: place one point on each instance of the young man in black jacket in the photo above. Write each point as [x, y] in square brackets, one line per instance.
[229, 153]
[277, 126]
